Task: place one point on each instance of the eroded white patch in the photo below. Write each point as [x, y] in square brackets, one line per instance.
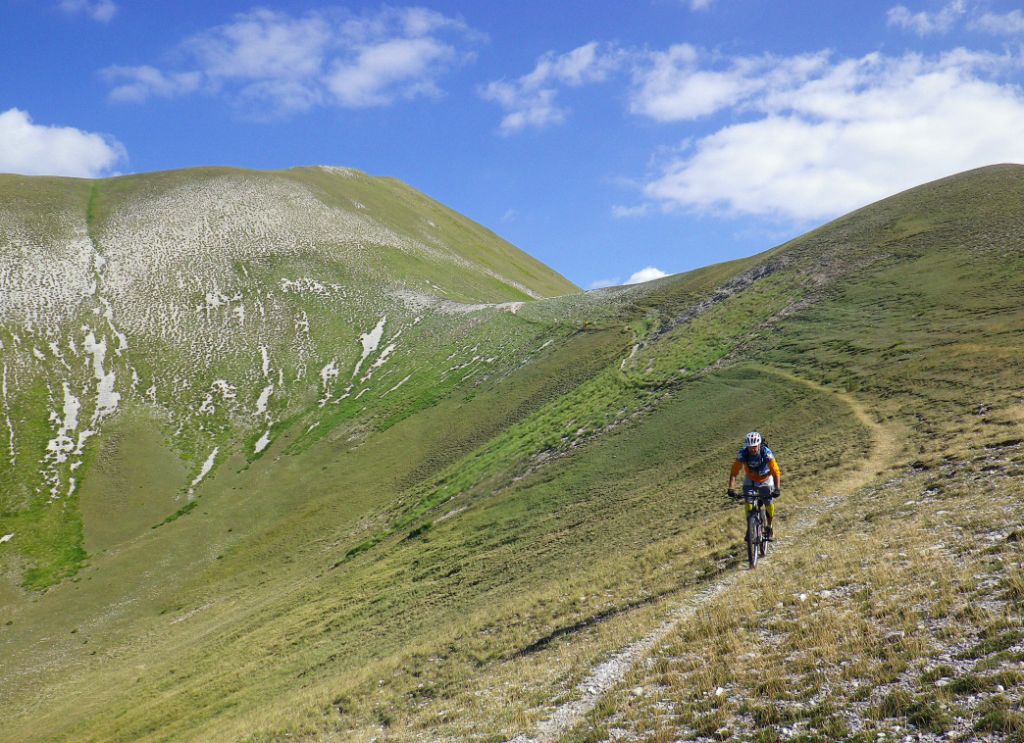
[6, 537]
[222, 387]
[397, 385]
[346, 393]
[265, 355]
[261, 403]
[83, 436]
[108, 315]
[206, 407]
[227, 390]
[417, 301]
[310, 286]
[381, 360]
[329, 373]
[61, 446]
[55, 350]
[459, 367]
[370, 342]
[214, 300]
[7, 417]
[302, 323]
[71, 408]
[207, 466]
[262, 443]
[106, 398]
[327, 376]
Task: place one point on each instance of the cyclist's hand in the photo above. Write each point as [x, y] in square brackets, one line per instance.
[731, 493]
[776, 493]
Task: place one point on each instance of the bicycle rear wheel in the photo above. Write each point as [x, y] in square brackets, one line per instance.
[753, 537]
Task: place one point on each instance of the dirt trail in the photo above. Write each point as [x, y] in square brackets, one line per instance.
[605, 676]
[885, 444]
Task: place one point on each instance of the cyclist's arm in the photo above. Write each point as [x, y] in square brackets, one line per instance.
[774, 467]
[736, 467]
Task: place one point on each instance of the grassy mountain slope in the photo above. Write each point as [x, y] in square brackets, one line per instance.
[453, 562]
[226, 307]
[899, 611]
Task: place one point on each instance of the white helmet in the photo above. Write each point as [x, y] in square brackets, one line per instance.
[753, 439]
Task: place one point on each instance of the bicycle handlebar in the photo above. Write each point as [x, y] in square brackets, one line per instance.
[748, 494]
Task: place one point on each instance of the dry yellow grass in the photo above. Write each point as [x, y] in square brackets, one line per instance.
[898, 612]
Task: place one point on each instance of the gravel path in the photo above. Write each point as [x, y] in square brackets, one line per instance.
[605, 676]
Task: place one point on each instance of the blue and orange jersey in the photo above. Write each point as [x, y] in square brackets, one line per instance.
[759, 467]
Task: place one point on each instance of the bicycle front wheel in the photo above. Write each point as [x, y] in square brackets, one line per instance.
[753, 537]
[764, 538]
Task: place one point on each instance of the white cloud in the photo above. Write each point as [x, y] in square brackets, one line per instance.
[646, 274]
[263, 45]
[1005, 24]
[627, 212]
[674, 86]
[535, 108]
[530, 99]
[854, 131]
[276, 63]
[397, 68]
[34, 149]
[136, 84]
[700, 4]
[924, 23]
[99, 10]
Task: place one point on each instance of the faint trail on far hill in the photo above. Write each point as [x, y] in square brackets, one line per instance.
[605, 676]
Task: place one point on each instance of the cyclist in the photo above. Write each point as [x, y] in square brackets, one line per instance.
[762, 471]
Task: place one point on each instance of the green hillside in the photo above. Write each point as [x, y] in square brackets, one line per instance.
[217, 311]
[515, 527]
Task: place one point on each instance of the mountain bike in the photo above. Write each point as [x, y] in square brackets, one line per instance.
[757, 522]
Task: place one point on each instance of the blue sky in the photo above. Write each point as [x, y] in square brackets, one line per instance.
[611, 140]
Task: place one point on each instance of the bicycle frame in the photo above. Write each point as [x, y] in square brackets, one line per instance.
[758, 498]
[757, 544]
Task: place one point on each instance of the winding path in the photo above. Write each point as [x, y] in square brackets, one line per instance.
[605, 676]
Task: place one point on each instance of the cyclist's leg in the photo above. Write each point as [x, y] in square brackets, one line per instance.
[769, 510]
